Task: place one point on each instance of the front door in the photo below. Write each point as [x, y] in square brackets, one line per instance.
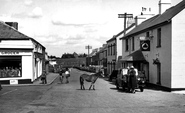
[159, 73]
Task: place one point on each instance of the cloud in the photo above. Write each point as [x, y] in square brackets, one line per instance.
[28, 2]
[36, 13]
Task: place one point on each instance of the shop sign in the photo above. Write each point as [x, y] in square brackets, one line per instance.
[9, 52]
[145, 45]
[13, 81]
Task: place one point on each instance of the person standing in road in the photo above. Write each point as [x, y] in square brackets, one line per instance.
[132, 81]
[67, 74]
[61, 73]
[43, 77]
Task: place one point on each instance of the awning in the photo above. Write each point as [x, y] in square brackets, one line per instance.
[135, 56]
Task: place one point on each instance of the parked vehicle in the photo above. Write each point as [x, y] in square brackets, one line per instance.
[122, 80]
[0, 87]
[113, 75]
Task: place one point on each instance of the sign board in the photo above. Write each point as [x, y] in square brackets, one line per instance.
[13, 81]
[142, 38]
[145, 45]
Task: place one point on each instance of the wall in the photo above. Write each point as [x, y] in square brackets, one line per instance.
[27, 67]
[26, 44]
[178, 52]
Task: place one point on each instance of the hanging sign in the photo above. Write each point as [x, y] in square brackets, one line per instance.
[145, 45]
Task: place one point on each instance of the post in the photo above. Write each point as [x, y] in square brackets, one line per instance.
[125, 16]
[88, 48]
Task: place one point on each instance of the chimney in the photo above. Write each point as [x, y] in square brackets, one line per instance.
[145, 14]
[164, 5]
[12, 24]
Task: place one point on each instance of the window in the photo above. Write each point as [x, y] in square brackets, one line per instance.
[133, 44]
[111, 49]
[159, 37]
[147, 34]
[126, 45]
[10, 66]
[108, 50]
[114, 49]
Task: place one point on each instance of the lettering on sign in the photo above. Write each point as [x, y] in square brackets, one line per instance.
[13, 81]
[9, 52]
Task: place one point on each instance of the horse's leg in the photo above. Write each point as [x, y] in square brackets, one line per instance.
[93, 87]
[83, 87]
[90, 86]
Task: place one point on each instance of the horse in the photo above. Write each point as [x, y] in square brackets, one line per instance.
[89, 78]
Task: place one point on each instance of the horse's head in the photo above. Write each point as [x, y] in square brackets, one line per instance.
[100, 74]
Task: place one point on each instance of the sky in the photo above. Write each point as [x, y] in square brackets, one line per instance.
[67, 26]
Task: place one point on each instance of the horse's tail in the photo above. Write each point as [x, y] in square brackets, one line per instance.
[81, 80]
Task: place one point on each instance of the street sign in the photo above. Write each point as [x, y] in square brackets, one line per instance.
[145, 45]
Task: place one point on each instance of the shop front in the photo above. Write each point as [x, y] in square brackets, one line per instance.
[16, 66]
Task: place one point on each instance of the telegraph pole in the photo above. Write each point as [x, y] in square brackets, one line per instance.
[88, 48]
[125, 16]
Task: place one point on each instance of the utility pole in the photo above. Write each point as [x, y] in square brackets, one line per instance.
[125, 16]
[88, 48]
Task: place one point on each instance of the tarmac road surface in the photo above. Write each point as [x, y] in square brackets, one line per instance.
[68, 98]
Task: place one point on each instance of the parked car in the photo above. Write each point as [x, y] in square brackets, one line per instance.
[122, 81]
[113, 75]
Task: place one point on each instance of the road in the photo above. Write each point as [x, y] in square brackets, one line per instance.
[68, 98]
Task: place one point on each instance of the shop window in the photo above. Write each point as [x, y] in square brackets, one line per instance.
[10, 66]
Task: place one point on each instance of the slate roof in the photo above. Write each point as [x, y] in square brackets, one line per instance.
[9, 33]
[157, 20]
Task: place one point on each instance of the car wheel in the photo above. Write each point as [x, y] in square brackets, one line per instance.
[141, 88]
[117, 86]
[123, 86]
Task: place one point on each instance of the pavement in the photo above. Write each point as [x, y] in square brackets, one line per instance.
[50, 79]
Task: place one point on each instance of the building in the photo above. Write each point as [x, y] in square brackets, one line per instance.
[71, 62]
[156, 46]
[111, 55]
[22, 58]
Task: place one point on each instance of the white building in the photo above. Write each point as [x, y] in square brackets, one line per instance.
[156, 46]
[22, 59]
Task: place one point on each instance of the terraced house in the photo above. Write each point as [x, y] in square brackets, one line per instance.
[156, 46]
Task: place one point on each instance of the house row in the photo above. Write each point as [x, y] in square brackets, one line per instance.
[153, 45]
[22, 58]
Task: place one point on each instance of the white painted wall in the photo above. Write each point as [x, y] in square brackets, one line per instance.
[178, 51]
[27, 67]
[16, 44]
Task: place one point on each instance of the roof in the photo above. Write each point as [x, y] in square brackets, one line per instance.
[157, 20]
[120, 33]
[9, 33]
[135, 56]
[113, 38]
